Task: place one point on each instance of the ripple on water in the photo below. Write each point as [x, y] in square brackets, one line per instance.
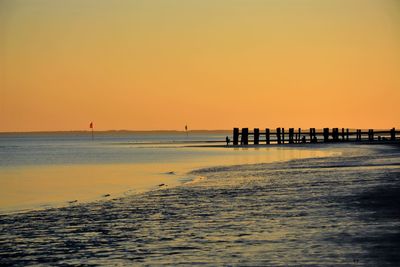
[304, 212]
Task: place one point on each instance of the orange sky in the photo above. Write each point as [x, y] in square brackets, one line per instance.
[144, 65]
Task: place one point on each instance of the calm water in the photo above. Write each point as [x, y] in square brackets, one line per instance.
[340, 210]
[48, 170]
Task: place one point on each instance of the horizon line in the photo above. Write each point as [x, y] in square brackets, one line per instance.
[109, 131]
[160, 131]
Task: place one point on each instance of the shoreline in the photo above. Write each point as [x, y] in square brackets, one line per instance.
[181, 180]
[67, 184]
[255, 214]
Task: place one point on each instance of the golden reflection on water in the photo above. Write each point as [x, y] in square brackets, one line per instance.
[32, 187]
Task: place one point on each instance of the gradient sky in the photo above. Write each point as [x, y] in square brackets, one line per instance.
[213, 64]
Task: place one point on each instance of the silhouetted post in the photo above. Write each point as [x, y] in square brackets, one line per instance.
[343, 135]
[245, 136]
[371, 134]
[315, 135]
[311, 135]
[291, 134]
[347, 134]
[235, 136]
[283, 135]
[256, 136]
[278, 135]
[335, 134]
[393, 134]
[299, 136]
[267, 136]
[358, 135]
[326, 135]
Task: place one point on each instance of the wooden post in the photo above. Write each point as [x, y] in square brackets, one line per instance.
[343, 135]
[393, 134]
[371, 134]
[347, 134]
[291, 135]
[256, 136]
[235, 136]
[335, 134]
[245, 136]
[278, 135]
[283, 135]
[358, 135]
[299, 136]
[267, 136]
[313, 135]
[326, 135]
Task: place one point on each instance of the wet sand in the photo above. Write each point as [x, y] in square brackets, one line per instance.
[331, 211]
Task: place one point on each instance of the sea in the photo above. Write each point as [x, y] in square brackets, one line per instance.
[172, 198]
[42, 170]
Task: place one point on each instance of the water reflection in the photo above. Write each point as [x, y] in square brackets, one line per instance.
[300, 213]
[33, 186]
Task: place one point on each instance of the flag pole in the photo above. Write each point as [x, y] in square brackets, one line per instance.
[91, 127]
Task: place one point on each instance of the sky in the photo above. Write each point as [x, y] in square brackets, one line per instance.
[210, 64]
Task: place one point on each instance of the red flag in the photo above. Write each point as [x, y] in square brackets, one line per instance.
[91, 125]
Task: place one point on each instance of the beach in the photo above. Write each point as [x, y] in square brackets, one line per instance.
[185, 133]
[331, 211]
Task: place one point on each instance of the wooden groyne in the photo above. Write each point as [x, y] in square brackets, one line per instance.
[297, 136]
